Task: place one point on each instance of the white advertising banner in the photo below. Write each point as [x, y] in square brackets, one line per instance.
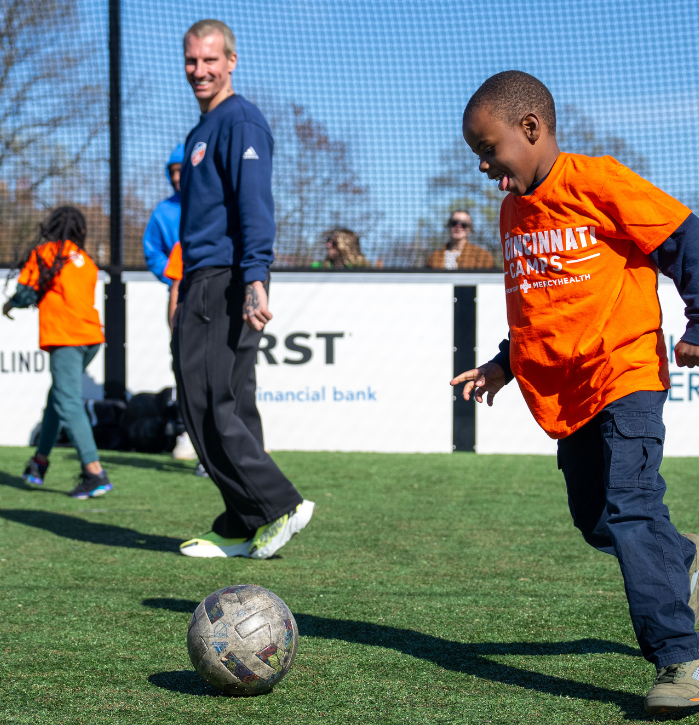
[346, 364]
[148, 359]
[358, 366]
[508, 427]
[349, 363]
[25, 377]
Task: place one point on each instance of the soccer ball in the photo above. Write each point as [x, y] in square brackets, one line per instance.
[242, 639]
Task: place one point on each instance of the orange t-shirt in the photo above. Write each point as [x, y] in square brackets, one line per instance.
[67, 314]
[582, 301]
[174, 270]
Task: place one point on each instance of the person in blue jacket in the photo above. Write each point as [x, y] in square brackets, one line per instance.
[161, 235]
[163, 230]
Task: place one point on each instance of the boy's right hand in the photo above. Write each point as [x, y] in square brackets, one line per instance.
[488, 378]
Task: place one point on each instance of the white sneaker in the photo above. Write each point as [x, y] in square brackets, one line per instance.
[270, 538]
[211, 545]
[184, 450]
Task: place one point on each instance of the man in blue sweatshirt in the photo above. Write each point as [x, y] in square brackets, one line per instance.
[163, 230]
[227, 233]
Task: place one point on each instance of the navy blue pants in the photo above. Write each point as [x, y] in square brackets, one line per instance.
[615, 494]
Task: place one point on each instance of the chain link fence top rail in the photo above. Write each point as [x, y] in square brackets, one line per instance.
[364, 100]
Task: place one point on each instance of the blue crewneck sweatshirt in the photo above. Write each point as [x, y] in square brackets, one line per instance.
[226, 191]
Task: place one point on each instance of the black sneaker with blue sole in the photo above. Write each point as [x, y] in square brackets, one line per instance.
[91, 485]
[35, 472]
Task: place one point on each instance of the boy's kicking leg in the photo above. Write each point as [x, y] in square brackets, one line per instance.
[616, 498]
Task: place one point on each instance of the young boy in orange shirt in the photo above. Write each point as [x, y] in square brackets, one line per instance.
[58, 276]
[583, 239]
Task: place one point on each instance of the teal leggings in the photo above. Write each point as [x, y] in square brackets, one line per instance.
[65, 403]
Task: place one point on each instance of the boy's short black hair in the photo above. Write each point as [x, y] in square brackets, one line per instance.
[512, 94]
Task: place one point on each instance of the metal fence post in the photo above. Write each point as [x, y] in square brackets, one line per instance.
[464, 359]
[115, 301]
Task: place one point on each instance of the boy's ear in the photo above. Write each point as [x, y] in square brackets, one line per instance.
[531, 125]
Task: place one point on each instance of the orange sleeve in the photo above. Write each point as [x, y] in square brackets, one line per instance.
[174, 270]
[29, 275]
[647, 214]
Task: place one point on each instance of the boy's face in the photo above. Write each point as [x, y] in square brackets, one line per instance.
[506, 153]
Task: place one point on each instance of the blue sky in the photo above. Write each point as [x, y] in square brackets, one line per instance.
[392, 78]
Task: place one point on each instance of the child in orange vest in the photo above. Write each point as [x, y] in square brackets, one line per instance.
[583, 239]
[59, 278]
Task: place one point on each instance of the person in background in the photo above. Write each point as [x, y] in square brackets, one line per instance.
[174, 272]
[159, 238]
[342, 250]
[59, 278]
[459, 253]
[163, 229]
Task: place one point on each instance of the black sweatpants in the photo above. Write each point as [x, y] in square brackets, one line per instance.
[214, 355]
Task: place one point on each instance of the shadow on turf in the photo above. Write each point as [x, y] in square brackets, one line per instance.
[469, 658]
[7, 479]
[124, 459]
[72, 527]
[472, 658]
[173, 605]
[188, 682]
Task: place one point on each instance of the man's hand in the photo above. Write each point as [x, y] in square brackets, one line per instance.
[488, 378]
[6, 309]
[255, 311]
[686, 355]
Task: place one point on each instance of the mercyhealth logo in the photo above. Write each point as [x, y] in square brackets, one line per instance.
[198, 153]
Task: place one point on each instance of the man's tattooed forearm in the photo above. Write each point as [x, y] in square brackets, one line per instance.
[252, 300]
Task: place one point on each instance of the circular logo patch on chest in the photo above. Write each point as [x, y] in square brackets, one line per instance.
[198, 153]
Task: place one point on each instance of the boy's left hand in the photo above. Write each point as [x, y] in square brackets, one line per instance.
[6, 309]
[686, 355]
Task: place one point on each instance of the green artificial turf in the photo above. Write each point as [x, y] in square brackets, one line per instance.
[427, 589]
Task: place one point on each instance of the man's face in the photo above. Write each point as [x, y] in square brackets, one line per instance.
[174, 170]
[506, 153]
[459, 226]
[207, 67]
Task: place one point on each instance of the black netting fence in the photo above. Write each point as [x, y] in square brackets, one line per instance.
[364, 99]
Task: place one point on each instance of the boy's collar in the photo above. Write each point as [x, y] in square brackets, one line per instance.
[537, 184]
[534, 193]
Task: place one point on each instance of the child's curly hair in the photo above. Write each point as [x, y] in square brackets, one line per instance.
[63, 224]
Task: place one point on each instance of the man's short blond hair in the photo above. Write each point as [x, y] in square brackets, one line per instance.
[203, 28]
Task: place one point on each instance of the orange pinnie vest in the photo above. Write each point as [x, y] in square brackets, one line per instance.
[174, 269]
[67, 314]
[582, 302]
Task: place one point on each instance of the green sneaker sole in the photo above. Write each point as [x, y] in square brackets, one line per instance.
[666, 704]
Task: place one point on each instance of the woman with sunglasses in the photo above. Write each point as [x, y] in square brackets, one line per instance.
[459, 253]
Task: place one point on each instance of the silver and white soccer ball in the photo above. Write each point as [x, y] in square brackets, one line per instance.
[242, 639]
